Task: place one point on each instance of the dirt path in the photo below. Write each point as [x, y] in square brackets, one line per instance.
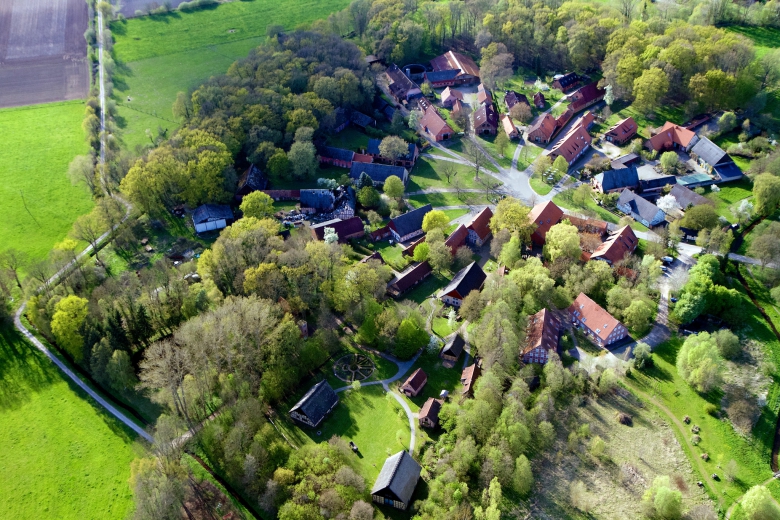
[737, 501]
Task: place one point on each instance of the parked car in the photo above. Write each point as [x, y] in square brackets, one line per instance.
[667, 259]
[664, 269]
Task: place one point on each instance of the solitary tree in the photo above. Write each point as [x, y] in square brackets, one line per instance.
[257, 204]
[394, 187]
[476, 156]
[757, 504]
[562, 241]
[699, 362]
[435, 219]
[501, 142]
[521, 113]
[669, 162]
[560, 165]
[89, 228]
[81, 170]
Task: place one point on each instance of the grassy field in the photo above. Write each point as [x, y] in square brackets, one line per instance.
[38, 143]
[764, 38]
[439, 378]
[62, 456]
[539, 186]
[729, 196]
[160, 55]
[488, 143]
[448, 199]
[455, 213]
[594, 209]
[427, 173]
[621, 110]
[726, 140]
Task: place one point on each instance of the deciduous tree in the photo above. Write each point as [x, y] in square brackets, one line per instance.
[435, 219]
[394, 187]
[257, 204]
[69, 315]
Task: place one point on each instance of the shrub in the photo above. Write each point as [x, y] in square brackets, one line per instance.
[711, 409]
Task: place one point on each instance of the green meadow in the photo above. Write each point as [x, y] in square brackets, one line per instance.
[39, 204]
[63, 456]
[160, 55]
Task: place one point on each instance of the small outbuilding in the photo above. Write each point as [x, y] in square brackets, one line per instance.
[429, 413]
[452, 350]
[396, 482]
[415, 383]
[313, 407]
[210, 217]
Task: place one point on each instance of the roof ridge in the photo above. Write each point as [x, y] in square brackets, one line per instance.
[396, 467]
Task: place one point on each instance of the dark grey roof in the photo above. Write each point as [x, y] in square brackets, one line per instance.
[411, 221]
[642, 207]
[377, 171]
[343, 228]
[686, 197]
[511, 98]
[728, 172]
[317, 402]
[399, 474]
[401, 83]
[710, 152]
[318, 199]
[211, 212]
[658, 182]
[340, 154]
[468, 279]
[624, 161]
[615, 179]
[389, 112]
[361, 119]
[373, 149]
[253, 179]
[442, 75]
[454, 345]
[567, 79]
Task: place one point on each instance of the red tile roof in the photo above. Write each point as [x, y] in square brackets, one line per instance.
[669, 135]
[544, 126]
[588, 225]
[408, 278]
[573, 143]
[451, 60]
[457, 238]
[509, 125]
[545, 216]
[451, 93]
[433, 123]
[620, 243]
[417, 380]
[543, 331]
[457, 106]
[586, 96]
[469, 377]
[594, 316]
[362, 158]
[622, 130]
[480, 224]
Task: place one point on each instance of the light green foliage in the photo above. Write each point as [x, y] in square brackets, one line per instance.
[393, 147]
[368, 197]
[435, 219]
[257, 204]
[757, 504]
[69, 315]
[512, 215]
[637, 315]
[394, 187]
[699, 362]
[523, 477]
[32, 171]
[649, 89]
[562, 241]
[642, 355]
[700, 217]
[766, 190]
[302, 156]
[421, 252]
[669, 162]
[727, 122]
[410, 338]
[728, 343]
[561, 165]
[597, 447]
[662, 500]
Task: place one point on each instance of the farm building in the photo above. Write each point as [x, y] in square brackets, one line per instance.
[313, 407]
[539, 100]
[672, 137]
[468, 279]
[441, 78]
[378, 172]
[589, 225]
[453, 348]
[429, 413]
[714, 160]
[588, 95]
[625, 161]
[621, 132]
[283, 194]
[640, 209]
[651, 187]
[407, 161]
[694, 180]
[409, 225]
[542, 130]
[545, 215]
[467, 70]
[484, 96]
[512, 98]
[401, 87]
[210, 217]
[345, 229]
[376, 255]
[485, 120]
[599, 325]
[620, 244]
[396, 482]
[542, 335]
[336, 156]
[479, 227]
[616, 180]
[408, 278]
[457, 238]
[434, 125]
[414, 383]
[449, 96]
[575, 143]
[252, 180]
[565, 82]
[469, 376]
[361, 120]
[457, 106]
[687, 198]
[317, 201]
[509, 127]
[409, 250]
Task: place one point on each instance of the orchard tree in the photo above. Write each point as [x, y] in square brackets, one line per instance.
[670, 162]
[542, 164]
[766, 192]
[69, 315]
[744, 211]
[521, 112]
[257, 204]
[421, 252]
[501, 142]
[560, 165]
[662, 500]
[435, 219]
[637, 315]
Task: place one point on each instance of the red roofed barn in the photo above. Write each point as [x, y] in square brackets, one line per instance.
[545, 215]
[542, 335]
[599, 325]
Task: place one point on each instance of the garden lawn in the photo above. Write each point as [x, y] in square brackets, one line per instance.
[428, 173]
[594, 208]
[718, 439]
[729, 196]
[662, 114]
[449, 199]
[39, 204]
[528, 155]
[63, 457]
[439, 378]
[350, 139]
[539, 186]
[372, 420]
[452, 214]
[392, 254]
[726, 140]
[160, 55]
[488, 143]
[442, 328]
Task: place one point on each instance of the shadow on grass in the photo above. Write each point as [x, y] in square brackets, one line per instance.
[22, 370]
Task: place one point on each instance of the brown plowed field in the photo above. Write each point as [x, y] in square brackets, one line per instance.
[43, 54]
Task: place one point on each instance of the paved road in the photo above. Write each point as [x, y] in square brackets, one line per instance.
[403, 368]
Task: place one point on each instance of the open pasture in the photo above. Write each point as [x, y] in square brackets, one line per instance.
[43, 54]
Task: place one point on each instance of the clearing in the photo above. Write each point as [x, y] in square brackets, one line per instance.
[43, 57]
[39, 202]
[63, 456]
[764, 38]
[160, 55]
